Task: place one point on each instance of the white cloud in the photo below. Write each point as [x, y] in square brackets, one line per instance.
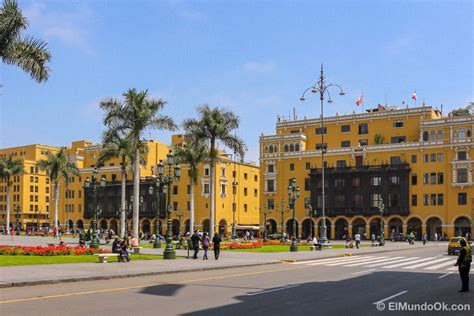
[259, 67]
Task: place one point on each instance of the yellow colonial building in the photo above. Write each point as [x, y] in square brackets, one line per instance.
[236, 199]
[413, 160]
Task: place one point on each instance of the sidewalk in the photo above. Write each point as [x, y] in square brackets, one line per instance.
[56, 273]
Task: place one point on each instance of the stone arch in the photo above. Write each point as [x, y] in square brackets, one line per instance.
[395, 226]
[146, 226]
[297, 147]
[307, 229]
[341, 227]
[80, 224]
[205, 224]
[434, 227]
[223, 227]
[265, 149]
[432, 135]
[286, 147]
[426, 136]
[289, 228]
[358, 226]
[292, 147]
[375, 226]
[271, 226]
[412, 216]
[113, 224]
[103, 224]
[414, 224]
[175, 229]
[462, 226]
[329, 227]
[70, 224]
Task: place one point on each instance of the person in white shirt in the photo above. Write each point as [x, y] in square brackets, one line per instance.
[357, 239]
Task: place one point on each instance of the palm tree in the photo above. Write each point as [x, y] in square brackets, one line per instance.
[57, 166]
[65, 173]
[194, 152]
[137, 113]
[215, 125]
[28, 53]
[118, 146]
[9, 168]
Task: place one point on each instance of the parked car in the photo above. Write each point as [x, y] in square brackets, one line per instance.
[454, 245]
[400, 237]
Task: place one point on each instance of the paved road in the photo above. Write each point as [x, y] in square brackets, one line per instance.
[337, 286]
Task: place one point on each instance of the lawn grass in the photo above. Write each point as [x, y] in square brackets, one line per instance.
[32, 260]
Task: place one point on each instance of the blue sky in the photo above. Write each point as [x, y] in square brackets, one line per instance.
[252, 57]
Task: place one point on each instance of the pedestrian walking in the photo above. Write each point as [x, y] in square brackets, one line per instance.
[357, 239]
[424, 239]
[436, 237]
[205, 245]
[216, 241]
[12, 232]
[195, 239]
[55, 232]
[464, 264]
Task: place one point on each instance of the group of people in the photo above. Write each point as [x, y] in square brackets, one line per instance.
[205, 242]
[121, 247]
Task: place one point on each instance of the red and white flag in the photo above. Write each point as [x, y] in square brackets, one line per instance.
[359, 101]
[414, 95]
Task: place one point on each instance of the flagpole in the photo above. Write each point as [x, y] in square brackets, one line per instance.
[362, 102]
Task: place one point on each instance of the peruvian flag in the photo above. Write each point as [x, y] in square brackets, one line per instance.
[359, 101]
[414, 95]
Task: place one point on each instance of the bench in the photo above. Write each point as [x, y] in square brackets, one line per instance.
[375, 243]
[104, 256]
[136, 249]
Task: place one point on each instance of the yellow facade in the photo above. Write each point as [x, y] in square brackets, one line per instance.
[85, 155]
[436, 147]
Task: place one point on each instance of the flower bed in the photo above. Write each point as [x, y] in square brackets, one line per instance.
[48, 251]
[256, 244]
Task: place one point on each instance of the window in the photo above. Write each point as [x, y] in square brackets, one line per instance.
[234, 174]
[234, 189]
[188, 189]
[426, 178]
[175, 206]
[320, 146]
[376, 181]
[462, 155]
[321, 130]
[246, 176]
[223, 187]
[462, 133]
[223, 172]
[80, 194]
[31, 208]
[433, 178]
[32, 178]
[357, 200]
[206, 188]
[425, 199]
[206, 172]
[286, 148]
[47, 189]
[440, 199]
[31, 198]
[292, 167]
[255, 178]
[433, 199]
[271, 204]
[440, 135]
[245, 191]
[413, 158]
[255, 192]
[36, 198]
[398, 139]
[341, 163]
[32, 169]
[308, 166]
[462, 198]
[439, 157]
[339, 183]
[414, 179]
[346, 143]
[47, 199]
[363, 128]
[395, 180]
[245, 208]
[398, 124]
[340, 199]
[355, 182]
[270, 185]
[414, 200]
[375, 199]
[175, 190]
[395, 160]
[114, 177]
[426, 158]
[462, 175]
[433, 157]
[440, 178]
[363, 142]
[345, 128]
[270, 168]
[307, 184]
[31, 188]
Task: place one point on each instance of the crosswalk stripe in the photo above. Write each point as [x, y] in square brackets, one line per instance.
[444, 264]
[353, 261]
[397, 261]
[374, 261]
[453, 269]
[407, 263]
[345, 260]
[426, 263]
[323, 260]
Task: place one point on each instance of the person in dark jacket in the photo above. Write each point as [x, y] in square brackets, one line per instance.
[216, 240]
[116, 247]
[195, 239]
[464, 264]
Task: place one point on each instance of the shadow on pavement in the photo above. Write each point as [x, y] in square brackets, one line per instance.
[353, 296]
[163, 290]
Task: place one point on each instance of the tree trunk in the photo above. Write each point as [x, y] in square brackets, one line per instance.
[136, 193]
[56, 203]
[212, 193]
[7, 225]
[191, 219]
[66, 208]
[122, 202]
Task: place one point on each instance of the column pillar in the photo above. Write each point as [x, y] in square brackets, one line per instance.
[449, 230]
[404, 229]
[423, 229]
[386, 233]
[349, 230]
[367, 231]
[333, 233]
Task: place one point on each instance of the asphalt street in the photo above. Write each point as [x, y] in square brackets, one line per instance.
[357, 285]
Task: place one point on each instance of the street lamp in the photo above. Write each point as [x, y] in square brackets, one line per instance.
[94, 185]
[160, 187]
[311, 213]
[265, 212]
[167, 181]
[293, 194]
[283, 211]
[323, 89]
[381, 209]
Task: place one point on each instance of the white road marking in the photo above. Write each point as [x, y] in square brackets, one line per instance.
[390, 297]
[272, 290]
[453, 268]
[444, 264]
[345, 260]
[356, 260]
[384, 263]
[407, 263]
[363, 271]
[321, 260]
[374, 261]
[440, 277]
[426, 263]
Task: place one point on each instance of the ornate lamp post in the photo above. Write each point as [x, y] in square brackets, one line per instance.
[322, 89]
[159, 191]
[282, 211]
[94, 186]
[381, 209]
[293, 194]
[168, 180]
[265, 212]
